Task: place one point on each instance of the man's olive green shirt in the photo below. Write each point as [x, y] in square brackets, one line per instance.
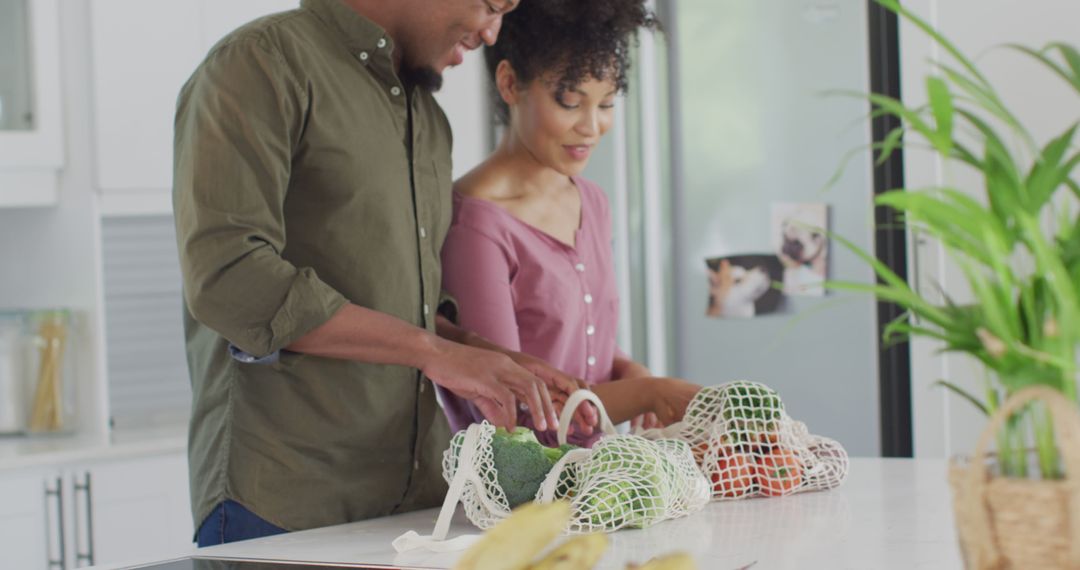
[307, 175]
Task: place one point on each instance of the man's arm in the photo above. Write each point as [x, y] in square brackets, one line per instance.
[493, 381]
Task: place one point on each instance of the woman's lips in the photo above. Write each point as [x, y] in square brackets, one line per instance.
[578, 151]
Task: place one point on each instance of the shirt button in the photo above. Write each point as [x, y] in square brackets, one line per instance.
[363, 56]
[426, 309]
[416, 465]
[395, 91]
[422, 386]
[590, 330]
[423, 233]
[588, 298]
[381, 43]
[591, 361]
[580, 267]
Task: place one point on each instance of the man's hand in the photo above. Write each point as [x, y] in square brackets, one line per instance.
[492, 381]
[586, 416]
[559, 385]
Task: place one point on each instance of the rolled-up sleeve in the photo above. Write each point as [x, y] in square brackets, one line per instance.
[238, 120]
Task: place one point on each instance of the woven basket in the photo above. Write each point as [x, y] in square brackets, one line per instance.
[1010, 523]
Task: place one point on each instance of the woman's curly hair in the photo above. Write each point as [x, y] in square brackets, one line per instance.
[576, 39]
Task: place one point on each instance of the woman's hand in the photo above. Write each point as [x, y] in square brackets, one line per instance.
[669, 399]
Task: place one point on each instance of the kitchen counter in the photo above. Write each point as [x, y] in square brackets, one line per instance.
[21, 452]
[890, 513]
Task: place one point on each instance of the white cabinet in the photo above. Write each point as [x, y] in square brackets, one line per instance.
[107, 512]
[31, 132]
[24, 522]
[138, 510]
[143, 52]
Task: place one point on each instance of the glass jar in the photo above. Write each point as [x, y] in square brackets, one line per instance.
[49, 371]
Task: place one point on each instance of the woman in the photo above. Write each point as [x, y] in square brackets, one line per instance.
[528, 256]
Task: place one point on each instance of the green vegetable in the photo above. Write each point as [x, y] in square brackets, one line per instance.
[632, 481]
[751, 408]
[522, 463]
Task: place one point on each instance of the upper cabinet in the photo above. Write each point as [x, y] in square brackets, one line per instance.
[143, 51]
[31, 133]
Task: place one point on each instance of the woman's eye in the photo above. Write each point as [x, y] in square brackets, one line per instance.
[567, 104]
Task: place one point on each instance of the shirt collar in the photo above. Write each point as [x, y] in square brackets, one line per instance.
[360, 34]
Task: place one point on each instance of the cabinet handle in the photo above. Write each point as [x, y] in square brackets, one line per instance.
[58, 493]
[88, 556]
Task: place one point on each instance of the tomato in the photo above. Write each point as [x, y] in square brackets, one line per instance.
[700, 451]
[734, 474]
[779, 472]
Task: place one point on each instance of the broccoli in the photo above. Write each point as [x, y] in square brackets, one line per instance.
[633, 496]
[554, 454]
[752, 409]
[522, 463]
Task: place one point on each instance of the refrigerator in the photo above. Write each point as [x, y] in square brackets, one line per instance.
[735, 120]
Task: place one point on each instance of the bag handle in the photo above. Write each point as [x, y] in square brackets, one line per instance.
[1066, 423]
[572, 403]
[437, 542]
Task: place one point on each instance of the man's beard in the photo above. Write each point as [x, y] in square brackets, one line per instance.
[425, 78]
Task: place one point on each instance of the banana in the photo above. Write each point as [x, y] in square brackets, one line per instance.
[578, 553]
[514, 542]
[677, 561]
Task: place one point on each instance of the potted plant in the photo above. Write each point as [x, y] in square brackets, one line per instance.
[1017, 241]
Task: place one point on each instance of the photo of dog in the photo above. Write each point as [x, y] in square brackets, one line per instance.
[801, 243]
[742, 286]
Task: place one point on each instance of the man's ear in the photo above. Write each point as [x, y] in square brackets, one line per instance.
[506, 81]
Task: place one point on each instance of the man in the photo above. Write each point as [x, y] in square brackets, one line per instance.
[312, 195]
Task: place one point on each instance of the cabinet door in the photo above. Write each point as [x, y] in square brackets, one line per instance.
[143, 52]
[25, 525]
[137, 510]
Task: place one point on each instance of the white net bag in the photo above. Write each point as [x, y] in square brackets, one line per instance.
[747, 445]
[623, 481]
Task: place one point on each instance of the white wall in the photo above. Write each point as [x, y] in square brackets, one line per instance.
[464, 99]
[943, 424]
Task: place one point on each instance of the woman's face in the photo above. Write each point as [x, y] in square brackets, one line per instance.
[560, 130]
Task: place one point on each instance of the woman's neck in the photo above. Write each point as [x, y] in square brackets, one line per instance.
[525, 176]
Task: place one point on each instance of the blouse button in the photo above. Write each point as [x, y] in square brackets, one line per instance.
[588, 298]
[590, 330]
[591, 361]
[580, 267]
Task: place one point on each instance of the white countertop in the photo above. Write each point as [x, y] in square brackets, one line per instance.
[890, 513]
[23, 452]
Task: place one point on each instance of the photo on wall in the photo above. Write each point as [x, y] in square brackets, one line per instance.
[801, 243]
[742, 286]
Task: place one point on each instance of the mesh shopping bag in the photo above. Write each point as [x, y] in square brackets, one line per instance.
[747, 445]
[623, 481]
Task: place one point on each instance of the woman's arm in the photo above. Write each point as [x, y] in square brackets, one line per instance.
[624, 367]
[627, 399]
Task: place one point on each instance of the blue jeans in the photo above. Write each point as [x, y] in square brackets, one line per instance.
[230, 522]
